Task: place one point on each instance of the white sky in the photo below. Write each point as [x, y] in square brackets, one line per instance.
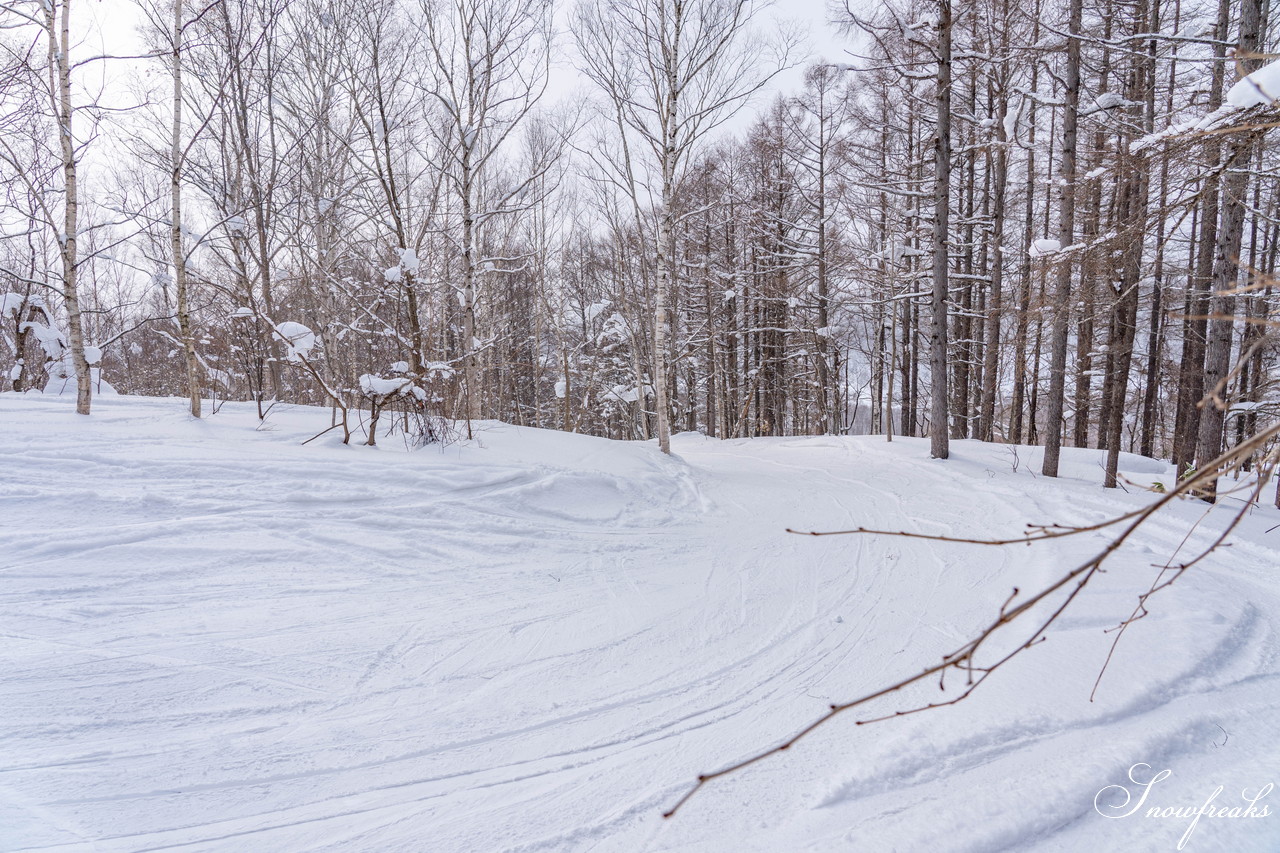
[111, 28]
[824, 43]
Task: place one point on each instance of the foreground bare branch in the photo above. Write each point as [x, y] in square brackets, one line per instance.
[1073, 582]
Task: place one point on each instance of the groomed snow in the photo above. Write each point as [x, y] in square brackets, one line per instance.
[216, 639]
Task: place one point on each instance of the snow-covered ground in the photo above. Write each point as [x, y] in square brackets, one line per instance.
[215, 638]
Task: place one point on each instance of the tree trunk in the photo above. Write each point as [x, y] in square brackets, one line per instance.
[175, 225]
[939, 437]
[60, 63]
[471, 362]
[995, 305]
[666, 264]
[1226, 263]
[1191, 373]
[1066, 235]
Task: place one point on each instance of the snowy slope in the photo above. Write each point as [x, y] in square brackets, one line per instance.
[214, 638]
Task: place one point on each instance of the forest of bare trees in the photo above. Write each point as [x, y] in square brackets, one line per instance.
[1054, 222]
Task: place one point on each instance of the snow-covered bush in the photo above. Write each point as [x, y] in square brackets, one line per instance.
[410, 396]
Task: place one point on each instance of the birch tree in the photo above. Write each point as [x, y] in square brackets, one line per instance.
[177, 157]
[489, 67]
[671, 71]
[51, 21]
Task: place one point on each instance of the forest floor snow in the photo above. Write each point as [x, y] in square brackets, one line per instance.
[214, 638]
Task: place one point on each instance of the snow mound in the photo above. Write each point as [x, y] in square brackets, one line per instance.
[1043, 247]
[298, 340]
[1259, 89]
[376, 386]
[11, 304]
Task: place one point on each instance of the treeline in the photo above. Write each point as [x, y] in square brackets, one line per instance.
[1049, 222]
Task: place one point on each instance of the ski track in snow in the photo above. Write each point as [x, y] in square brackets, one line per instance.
[215, 639]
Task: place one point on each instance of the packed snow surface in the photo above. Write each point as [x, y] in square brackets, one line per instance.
[215, 638]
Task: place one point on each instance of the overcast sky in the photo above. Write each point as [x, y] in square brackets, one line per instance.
[824, 43]
[110, 27]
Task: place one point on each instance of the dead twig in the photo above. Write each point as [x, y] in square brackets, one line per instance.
[1072, 583]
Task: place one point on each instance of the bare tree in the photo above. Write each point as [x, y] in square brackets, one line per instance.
[1066, 236]
[1226, 261]
[939, 433]
[489, 68]
[672, 70]
[52, 18]
[177, 156]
